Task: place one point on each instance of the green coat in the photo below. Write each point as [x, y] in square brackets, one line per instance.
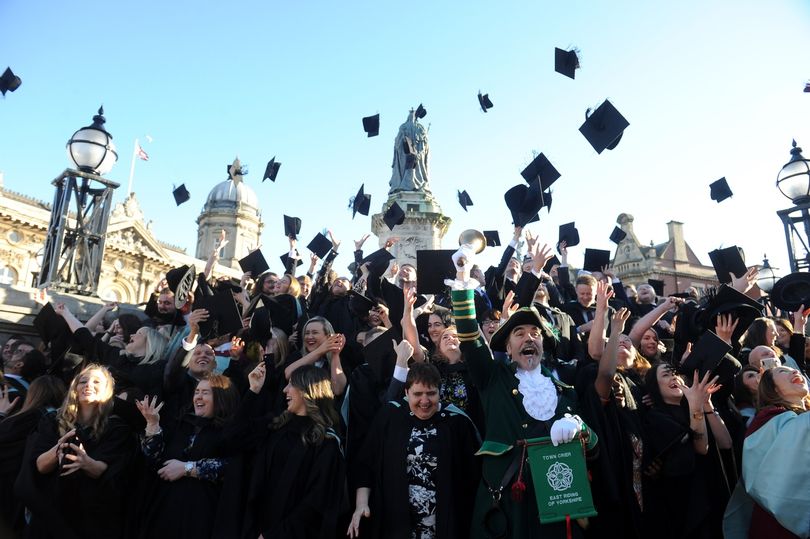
[506, 422]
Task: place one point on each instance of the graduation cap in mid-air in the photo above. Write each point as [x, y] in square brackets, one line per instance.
[720, 190]
[378, 261]
[361, 203]
[9, 81]
[320, 245]
[181, 194]
[604, 127]
[421, 112]
[657, 286]
[464, 199]
[726, 261]
[493, 238]
[272, 170]
[292, 226]
[394, 216]
[541, 168]
[286, 261]
[254, 263]
[568, 234]
[484, 101]
[524, 201]
[371, 125]
[566, 62]
[595, 259]
[617, 235]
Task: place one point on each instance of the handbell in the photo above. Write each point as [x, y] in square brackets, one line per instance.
[474, 238]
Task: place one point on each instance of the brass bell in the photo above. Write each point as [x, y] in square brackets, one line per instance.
[473, 237]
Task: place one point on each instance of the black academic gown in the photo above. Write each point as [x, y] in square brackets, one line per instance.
[78, 506]
[384, 471]
[186, 507]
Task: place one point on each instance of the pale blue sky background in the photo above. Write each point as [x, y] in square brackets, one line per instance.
[710, 89]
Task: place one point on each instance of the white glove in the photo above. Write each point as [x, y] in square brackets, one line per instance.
[467, 252]
[565, 429]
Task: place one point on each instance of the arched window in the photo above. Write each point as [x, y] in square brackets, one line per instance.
[8, 275]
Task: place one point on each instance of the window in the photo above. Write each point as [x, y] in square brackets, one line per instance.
[7, 275]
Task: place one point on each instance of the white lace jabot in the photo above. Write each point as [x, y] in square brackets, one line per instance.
[539, 393]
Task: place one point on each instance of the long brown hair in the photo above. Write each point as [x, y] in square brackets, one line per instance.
[68, 415]
[46, 391]
[226, 397]
[316, 388]
[769, 395]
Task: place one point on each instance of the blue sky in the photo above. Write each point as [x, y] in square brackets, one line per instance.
[710, 89]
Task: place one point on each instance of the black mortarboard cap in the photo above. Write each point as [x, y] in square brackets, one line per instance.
[223, 315]
[272, 170]
[53, 330]
[524, 201]
[255, 263]
[393, 216]
[432, 268]
[569, 234]
[603, 128]
[706, 354]
[493, 238]
[617, 235]
[320, 245]
[361, 202]
[285, 260]
[551, 263]
[546, 198]
[542, 169]
[9, 81]
[807, 87]
[292, 226]
[181, 194]
[728, 260]
[421, 111]
[566, 62]
[595, 259]
[359, 304]
[283, 310]
[484, 101]
[380, 354]
[378, 261]
[720, 190]
[464, 199]
[371, 125]
[791, 292]
[393, 297]
[657, 285]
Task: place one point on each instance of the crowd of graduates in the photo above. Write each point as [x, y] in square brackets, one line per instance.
[324, 405]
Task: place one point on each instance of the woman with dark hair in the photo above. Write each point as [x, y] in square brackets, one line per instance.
[644, 334]
[76, 465]
[297, 482]
[772, 498]
[139, 364]
[763, 332]
[684, 436]
[44, 396]
[435, 323]
[746, 387]
[188, 458]
[419, 471]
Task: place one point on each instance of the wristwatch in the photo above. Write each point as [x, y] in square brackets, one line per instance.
[698, 415]
[189, 467]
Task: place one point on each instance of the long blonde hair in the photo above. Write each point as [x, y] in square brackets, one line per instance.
[67, 416]
[156, 344]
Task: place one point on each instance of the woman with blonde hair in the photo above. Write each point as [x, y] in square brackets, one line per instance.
[139, 364]
[76, 464]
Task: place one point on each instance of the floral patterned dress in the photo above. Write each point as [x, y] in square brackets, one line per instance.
[422, 463]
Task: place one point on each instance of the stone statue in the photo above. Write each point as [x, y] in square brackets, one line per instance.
[410, 172]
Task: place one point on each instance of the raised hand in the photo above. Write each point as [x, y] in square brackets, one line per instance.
[358, 244]
[256, 377]
[799, 321]
[540, 257]
[391, 241]
[701, 391]
[404, 351]
[194, 319]
[724, 327]
[237, 345]
[335, 243]
[150, 410]
[603, 294]
[618, 320]
[6, 405]
[508, 307]
[743, 284]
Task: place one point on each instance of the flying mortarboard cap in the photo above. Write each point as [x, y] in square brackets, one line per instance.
[320, 245]
[254, 263]
[380, 354]
[223, 315]
[569, 234]
[493, 238]
[359, 304]
[421, 112]
[484, 101]
[464, 199]
[617, 235]
[285, 259]
[728, 260]
[595, 259]
[524, 201]
[720, 190]
[394, 216]
[432, 268]
[541, 168]
[361, 202]
[790, 292]
[292, 226]
[9, 81]
[371, 125]
[272, 170]
[657, 285]
[181, 194]
[706, 354]
[551, 263]
[566, 62]
[604, 127]
[378, 261]
[807, 87]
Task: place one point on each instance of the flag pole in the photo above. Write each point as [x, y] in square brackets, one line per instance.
[132, 168]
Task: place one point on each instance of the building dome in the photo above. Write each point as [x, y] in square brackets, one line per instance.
[230, 191]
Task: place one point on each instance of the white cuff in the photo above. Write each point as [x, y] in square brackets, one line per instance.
[189, 346]
[400, 373]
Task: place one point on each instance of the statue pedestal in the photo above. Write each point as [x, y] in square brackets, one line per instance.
[423, 229]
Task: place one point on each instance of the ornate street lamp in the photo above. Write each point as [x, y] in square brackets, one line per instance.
[74, 248]
[767, 276]
[794, 182]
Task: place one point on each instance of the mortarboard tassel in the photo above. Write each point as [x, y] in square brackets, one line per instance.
[519, 487]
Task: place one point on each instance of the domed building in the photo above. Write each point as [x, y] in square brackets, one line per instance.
[232, 206]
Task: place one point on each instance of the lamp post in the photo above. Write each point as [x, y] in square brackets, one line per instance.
[794, 182]
[767, 276]
[74, 247]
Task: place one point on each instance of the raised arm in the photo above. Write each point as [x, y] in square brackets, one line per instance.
[596, 337]
[651, 318]
[409, 331]
[607, 365]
